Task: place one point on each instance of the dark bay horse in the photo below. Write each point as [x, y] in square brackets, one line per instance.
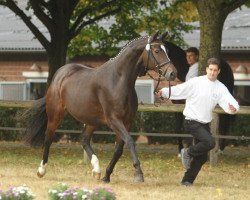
[178, 57]
[105, 95]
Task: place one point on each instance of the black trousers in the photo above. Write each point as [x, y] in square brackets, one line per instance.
[203, 143]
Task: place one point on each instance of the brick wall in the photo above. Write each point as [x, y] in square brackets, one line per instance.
[12, 70]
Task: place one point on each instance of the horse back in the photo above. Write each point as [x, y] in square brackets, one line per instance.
[68, 70]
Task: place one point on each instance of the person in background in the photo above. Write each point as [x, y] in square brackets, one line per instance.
[202, 94]
[192, 56]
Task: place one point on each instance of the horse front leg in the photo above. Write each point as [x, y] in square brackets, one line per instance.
[138, 176]
[116, 156]
[86, 137]
[120, 129]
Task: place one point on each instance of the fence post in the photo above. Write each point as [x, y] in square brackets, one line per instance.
[215, 131]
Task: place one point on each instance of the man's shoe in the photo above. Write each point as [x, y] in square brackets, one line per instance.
[185, 158]
[186, 183]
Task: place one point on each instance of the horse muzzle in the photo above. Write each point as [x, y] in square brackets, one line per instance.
[170, 75]
[168, 71]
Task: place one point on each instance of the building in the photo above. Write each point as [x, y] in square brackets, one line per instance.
[23, 62]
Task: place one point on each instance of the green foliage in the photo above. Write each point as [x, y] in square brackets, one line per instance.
[241, 126]
[134, 19]
[95, 41]
[248, 3]
[7, 116]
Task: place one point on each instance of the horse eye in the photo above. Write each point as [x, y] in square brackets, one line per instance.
[157, 51]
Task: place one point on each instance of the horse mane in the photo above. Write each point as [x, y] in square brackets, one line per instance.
[131, 42]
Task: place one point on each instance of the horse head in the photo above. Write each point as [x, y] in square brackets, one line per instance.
[155, 57]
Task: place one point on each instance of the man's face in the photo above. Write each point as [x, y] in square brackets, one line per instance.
[212, 72]
[191, 58]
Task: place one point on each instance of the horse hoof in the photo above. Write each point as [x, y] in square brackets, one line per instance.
[105, 179]
[96, 175]
[138, 178]
[39, 175]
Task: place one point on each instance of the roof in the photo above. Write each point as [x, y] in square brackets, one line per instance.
[236, 31]
[16, 37]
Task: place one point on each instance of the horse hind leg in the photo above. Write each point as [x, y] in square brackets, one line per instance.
[86, 137]
[54, 119]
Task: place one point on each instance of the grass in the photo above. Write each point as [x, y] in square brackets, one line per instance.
[162, 172]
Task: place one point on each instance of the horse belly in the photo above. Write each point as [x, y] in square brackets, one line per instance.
[85, 111]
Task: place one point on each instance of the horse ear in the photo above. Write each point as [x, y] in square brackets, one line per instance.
[153, 37]
[162, 36]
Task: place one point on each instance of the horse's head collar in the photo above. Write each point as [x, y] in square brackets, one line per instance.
[158, 59]
[153, 49]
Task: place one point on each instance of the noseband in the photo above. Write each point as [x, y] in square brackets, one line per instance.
[158, 67]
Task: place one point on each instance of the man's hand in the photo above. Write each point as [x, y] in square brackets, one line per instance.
[231, 108]
[158, 94]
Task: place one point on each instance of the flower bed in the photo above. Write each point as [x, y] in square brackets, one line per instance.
[60, 192]
[17, 193]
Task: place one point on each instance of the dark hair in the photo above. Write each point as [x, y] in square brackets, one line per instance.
[213, 61]
[193, 49]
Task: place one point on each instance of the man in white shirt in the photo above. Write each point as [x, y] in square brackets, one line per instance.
[202, 94]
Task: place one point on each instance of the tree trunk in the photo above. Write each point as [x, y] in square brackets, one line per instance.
[213, 14]
[56, 59]
[211, 24]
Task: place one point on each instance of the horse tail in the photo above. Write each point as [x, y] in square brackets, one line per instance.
[36, 124]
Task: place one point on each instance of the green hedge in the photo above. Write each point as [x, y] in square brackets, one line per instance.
[149, 122]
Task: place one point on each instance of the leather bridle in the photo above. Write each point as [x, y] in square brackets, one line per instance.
[158, 67]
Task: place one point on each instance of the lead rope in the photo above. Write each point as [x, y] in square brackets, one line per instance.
[161, 97]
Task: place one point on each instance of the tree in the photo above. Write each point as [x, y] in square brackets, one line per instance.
[64, 20]
[212, 15]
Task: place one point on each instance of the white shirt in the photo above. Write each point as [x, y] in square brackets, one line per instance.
[202, 95]
[192, 71]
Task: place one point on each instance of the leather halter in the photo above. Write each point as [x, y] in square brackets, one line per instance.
[158, 66]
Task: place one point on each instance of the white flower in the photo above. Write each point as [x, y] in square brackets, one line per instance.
[52, 191]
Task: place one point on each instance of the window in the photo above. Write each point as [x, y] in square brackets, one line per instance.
[36, 84]
[36, 88]
[242, 91]
[12, 91]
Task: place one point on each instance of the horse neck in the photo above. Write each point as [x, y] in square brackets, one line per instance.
[127, 64]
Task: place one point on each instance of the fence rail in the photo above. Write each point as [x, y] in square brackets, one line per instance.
[244, 110]
[242, 137]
